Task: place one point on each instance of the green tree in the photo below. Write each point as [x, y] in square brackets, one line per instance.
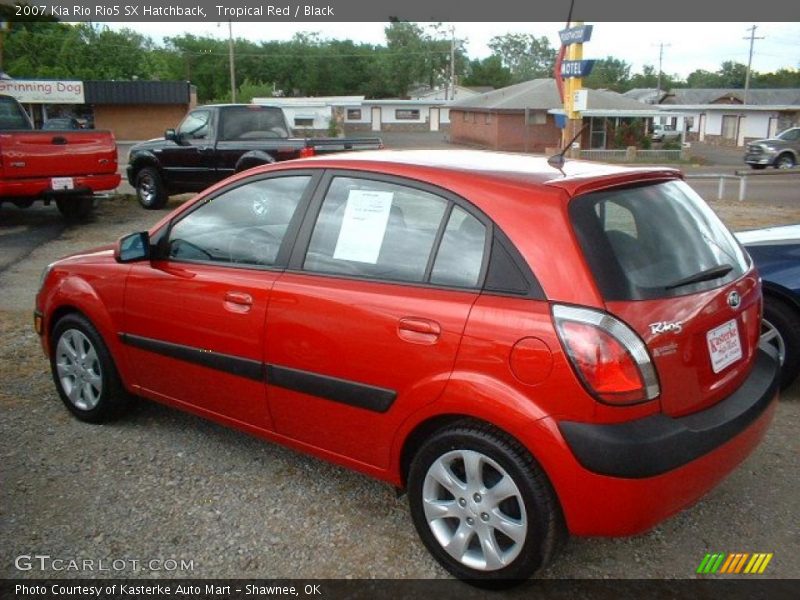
[782, 78]
[489, 71]
[525, 55]
[609, 73]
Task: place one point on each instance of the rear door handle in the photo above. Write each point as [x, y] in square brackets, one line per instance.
[418, 330]
[238, 302]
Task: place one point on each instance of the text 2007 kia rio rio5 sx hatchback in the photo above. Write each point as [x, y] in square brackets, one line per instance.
[528, 352]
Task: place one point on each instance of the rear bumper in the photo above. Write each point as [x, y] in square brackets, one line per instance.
[41, 187]
[623, 479]
[658, 443]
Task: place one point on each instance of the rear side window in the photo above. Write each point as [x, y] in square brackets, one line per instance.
[375, 229]
[654, 241]
[458, 262]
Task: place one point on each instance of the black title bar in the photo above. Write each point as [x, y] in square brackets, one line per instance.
[633, 11]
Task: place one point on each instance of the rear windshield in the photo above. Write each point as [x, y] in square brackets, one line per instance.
[654, 241]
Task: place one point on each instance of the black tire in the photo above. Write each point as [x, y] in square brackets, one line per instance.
[532, 505]
[75, 208]
[84, 373]
[785, 319]
[784, 161]
[150, 188]
[758, 167]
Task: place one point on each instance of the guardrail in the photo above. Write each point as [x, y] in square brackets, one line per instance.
[632, 155]
[741, 177]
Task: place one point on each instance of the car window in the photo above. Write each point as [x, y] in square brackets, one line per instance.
[460, 256]
[652, 241]
[375, 229]
[252, 122]
[195, 126]
[245, 225]
[790, 135]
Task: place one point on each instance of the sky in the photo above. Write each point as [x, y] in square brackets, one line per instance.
[687, 46]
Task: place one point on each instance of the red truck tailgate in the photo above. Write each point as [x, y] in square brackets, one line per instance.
[29, 154]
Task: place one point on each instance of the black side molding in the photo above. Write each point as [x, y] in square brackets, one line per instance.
[658, 443]
[360, 395]
[235, 365]
[353, 393]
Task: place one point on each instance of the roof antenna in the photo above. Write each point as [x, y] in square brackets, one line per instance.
[557, 160]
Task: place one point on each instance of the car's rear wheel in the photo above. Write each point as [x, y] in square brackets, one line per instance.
[780, 328]
[784, 161]
[150, 189]
[482, 506]
[84, 373]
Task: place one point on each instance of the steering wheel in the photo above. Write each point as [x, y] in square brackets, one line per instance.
[253, 246]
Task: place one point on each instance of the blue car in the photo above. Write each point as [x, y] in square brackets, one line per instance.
[776, 252]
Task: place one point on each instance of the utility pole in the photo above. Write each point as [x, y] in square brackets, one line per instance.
[230, 60]
[752, 39]
[660, 60]
[452, 64]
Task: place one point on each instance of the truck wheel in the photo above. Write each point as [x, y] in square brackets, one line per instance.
[482, 505]
[784, 161]
[150, 189]
[75, 209]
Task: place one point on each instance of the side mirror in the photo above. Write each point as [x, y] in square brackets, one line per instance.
[170, 135]
[133, 247]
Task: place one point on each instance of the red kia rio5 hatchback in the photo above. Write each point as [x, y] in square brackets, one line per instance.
[528, 352]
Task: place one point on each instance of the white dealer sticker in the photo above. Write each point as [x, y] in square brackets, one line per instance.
[363, 227]
[724, 345]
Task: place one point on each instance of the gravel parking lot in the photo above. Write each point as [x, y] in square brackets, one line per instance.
[163, 485]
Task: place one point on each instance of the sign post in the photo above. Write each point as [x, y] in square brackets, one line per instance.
[572, 71]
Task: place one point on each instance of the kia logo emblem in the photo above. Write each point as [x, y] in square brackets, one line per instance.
[734, 299]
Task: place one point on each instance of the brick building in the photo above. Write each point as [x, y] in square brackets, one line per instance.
[521, 117]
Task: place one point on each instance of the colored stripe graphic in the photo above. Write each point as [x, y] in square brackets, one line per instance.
[735, 563]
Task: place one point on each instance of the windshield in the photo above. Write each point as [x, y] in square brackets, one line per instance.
[790, 135]
[654, 241]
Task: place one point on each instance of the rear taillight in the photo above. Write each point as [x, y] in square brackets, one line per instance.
[611, 360]
[306, 152]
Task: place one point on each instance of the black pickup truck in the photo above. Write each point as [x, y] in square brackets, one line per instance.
[218, 140]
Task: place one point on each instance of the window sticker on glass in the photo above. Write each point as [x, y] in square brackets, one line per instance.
[363, 226]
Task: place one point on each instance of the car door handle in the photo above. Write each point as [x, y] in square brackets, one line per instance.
[418, 330]
[238, 302]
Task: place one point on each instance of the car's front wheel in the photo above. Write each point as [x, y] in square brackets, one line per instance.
[84, 373]
[482, 506]
[784, 161]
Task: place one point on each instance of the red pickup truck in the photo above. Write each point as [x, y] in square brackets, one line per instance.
[67, 167]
